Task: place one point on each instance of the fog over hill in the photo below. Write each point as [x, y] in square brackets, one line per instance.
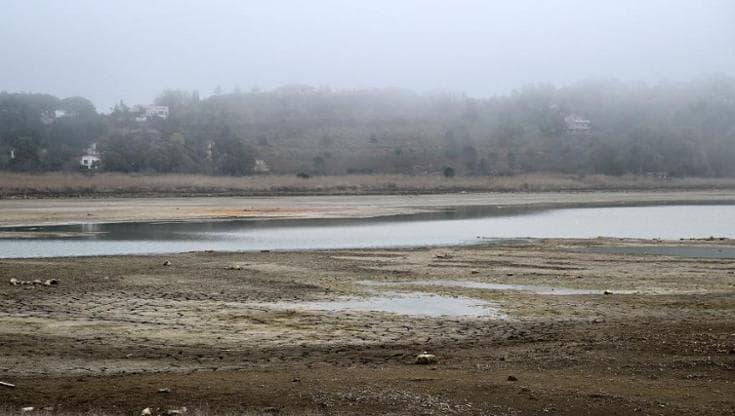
[682, 129]
[131, 50]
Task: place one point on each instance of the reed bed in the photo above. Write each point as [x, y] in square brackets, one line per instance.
[115, 184]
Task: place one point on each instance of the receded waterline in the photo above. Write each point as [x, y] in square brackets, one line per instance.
[459, 228]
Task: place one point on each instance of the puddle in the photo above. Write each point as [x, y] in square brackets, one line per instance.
[702, 252]
[539, 290]
[412, 304]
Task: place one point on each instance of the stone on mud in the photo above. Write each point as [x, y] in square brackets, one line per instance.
[425, 358]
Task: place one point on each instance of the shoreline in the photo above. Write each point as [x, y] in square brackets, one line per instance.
[35, 212]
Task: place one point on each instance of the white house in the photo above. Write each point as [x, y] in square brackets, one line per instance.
[576, 122]
[160, 111]
[144, 114]
[90, 162]
[260, 166]
[91, 158]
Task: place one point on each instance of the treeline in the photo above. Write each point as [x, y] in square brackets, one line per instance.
[613, 128]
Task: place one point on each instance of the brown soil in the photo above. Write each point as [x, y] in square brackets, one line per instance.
[224, 333]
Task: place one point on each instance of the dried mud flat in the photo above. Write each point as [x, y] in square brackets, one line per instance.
[230, 333]
[36, 212]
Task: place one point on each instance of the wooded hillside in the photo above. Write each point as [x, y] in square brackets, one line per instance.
[588, 128]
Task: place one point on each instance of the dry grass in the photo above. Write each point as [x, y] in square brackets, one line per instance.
[113, 184]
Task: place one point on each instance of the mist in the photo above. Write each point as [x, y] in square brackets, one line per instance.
[121, 50]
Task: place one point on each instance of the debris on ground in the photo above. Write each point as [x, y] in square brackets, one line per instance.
[8, 385]
[425, 358]
[35, 282]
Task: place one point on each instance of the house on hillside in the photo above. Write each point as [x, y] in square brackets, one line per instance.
[260, 166]
[91, 158]
[160, 111]
[143, 114]
[575, 122]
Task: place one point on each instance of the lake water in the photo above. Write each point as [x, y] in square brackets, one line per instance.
[450, 227]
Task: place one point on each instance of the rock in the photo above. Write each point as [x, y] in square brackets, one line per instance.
[51, 282]
[265, 251]
[27, 409]
[443, 256]
[173, 412]
[8, 385]
[166, 263]
[512, 378]
[608, 292]
[146, 412]
[425, 358]
[474, 272]
[37, 282]
[15, 282]
[235, 267]
[164, 390]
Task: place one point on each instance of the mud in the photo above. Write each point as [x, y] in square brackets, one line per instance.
[212, 328]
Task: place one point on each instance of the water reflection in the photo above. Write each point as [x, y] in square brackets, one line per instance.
[503, 287]
[449, 227]
[413, 304]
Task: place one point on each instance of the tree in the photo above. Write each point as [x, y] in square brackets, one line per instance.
[27, 154]
[232, 156]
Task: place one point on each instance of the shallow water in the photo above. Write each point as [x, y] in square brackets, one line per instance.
[413, 304]
[707, 252]
[452, 227]
[535, 289]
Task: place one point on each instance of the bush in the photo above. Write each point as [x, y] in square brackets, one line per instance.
[448, 172]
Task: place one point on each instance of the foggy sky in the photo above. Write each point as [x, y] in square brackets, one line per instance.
[125, 49]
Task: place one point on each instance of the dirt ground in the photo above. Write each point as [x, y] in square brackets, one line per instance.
[228, 333]
[97, 210]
